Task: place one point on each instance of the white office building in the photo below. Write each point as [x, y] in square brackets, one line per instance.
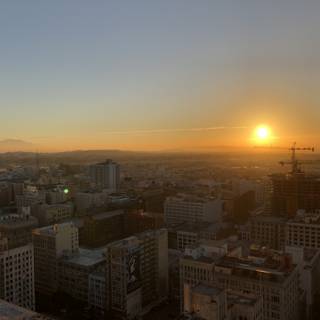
[192, 209]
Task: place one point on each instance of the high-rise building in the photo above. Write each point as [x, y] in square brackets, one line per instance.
[5, 194]
[50, 243]
[303, 230]
[30, 198]
[102, 228]
[8, 192]
[268, 275]
[48, 214]
[268, 231]
[205, 302]
[75, 269]
[196, 266]
[193, 210]
[186, 234]
[308, 262]
[154, 265]
[84, 201]
[274, 278]
[137, 273]
[209, 302]
[244, 306]
[17, 226]
[97, 292]
[17, 274]
[295, 191]
[105, 175]
[124, 278]
[16, 257]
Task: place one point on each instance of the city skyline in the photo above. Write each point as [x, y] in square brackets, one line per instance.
[169, 75]
[159, 160]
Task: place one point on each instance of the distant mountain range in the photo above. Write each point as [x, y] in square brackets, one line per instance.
[13, 145]
[25, 153]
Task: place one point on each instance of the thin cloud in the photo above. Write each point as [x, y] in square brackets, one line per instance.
[157, 131]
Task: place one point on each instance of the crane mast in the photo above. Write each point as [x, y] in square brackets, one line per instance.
[294, 162]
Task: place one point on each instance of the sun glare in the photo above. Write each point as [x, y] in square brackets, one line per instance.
[262, 132]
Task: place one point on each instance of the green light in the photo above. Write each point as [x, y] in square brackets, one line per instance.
[66, 191]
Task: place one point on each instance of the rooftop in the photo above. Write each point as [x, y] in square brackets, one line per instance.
[209, 260]
[270, 269]
[234, 298]
[15, 220]
[106, 162]
[107, 214]
[189, 227]
[9, 311]
[53, 229]
[207, 290]
[297, 176]
[306, 218]
[190, 198]
[309, 254]
[86, 257]
[268, 219]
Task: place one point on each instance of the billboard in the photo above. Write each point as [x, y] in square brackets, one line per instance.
[133, 272]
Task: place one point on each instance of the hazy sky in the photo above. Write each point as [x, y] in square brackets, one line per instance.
[166, 74]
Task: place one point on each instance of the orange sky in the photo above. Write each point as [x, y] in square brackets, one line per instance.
[158, 75]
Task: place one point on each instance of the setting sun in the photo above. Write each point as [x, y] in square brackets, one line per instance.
[262, 132]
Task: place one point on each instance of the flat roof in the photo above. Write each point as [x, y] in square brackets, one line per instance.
[306, 218]
[271, 270]
[238, 298]
[204, 259]
[86, 257]
[14, 223]
[9, 311]
[191, 198]
[207, 290]
[107, 214]
[50, 230]
[268, 218]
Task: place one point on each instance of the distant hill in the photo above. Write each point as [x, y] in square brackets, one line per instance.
[13, 145]
[82, 157]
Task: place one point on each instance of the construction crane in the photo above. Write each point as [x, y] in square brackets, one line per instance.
[294, 162]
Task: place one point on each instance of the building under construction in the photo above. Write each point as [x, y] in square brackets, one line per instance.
[296, 189]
